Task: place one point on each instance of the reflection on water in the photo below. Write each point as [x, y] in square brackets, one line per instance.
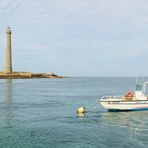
[135, 121]
[8, 103]
[80, 115]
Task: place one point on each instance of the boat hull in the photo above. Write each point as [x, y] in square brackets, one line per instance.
[125, 105]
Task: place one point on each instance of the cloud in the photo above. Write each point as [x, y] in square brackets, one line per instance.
[81, 33]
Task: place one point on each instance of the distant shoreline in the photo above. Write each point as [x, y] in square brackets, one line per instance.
[27, 75]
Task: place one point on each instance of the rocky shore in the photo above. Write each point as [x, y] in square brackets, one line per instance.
[26, 75]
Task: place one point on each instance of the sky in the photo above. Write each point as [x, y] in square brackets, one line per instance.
[77, 37]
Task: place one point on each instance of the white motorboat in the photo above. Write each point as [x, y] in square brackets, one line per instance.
[132, 101]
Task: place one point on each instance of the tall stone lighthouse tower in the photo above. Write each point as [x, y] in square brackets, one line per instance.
[8, 58]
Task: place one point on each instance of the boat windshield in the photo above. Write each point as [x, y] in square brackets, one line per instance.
[139, 86]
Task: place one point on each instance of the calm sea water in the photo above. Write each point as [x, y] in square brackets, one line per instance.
[40, 113]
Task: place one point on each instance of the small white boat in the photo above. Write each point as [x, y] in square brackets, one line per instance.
[131, 102]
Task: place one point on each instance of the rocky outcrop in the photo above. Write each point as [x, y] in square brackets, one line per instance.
[26, 75]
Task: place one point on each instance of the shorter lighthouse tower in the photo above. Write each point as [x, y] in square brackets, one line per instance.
[8, 58]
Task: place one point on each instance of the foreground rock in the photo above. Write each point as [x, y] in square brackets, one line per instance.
[26, 75]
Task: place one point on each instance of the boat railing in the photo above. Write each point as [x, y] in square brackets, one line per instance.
[111, 97]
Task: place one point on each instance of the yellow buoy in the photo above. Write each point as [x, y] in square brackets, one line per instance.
[81, 110]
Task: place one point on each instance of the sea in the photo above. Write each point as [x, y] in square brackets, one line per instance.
[41, 113]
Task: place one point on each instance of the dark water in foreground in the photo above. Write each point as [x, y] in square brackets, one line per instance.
[40, 113]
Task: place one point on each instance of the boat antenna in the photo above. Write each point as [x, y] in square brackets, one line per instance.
[136, 77]
[143, 79]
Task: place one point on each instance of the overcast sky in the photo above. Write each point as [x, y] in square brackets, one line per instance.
[77, 37]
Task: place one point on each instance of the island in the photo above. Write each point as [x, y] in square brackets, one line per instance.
[27, 75]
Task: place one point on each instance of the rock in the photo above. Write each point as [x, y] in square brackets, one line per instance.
[26, 75]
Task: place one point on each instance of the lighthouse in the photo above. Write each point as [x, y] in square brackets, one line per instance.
[8, 58]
